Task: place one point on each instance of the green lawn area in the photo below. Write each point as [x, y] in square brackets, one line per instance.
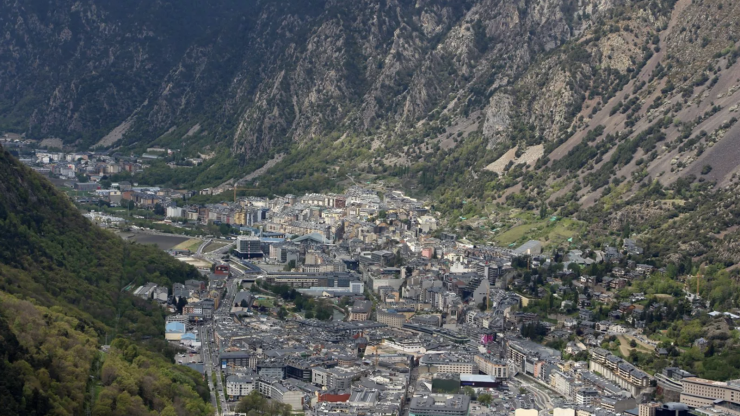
[565, 229]
[517, 233]
[215, 245]
[191, 245]
[546, 231]
[265, 302]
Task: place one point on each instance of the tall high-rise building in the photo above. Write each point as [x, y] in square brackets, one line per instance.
[248, 247]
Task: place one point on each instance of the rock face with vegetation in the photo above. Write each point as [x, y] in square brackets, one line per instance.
[61, 281]
[577, 104]
[380, 82]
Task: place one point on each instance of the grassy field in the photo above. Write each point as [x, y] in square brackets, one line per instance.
[191, 245]
[624, 345]
[516, 234]
[546, 231]
[265, 302]
[214, 245]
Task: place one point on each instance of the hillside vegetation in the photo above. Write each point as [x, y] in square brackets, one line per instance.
[61, 281]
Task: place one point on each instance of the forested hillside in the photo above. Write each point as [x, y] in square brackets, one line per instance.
[61, 281]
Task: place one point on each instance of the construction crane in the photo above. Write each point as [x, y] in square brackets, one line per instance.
[243, 189]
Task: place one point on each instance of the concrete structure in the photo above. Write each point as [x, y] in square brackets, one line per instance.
[392, 319]
[248, 247]
[447, 363]
[478, 381]
[410, 346]
[586, 397]
[563, 383]
[360, 310]
[617, 404]
[699, 392]
[160, 294]
[519, 350]
[492, 366]
[241, 359]
[332, 378]
[272, 370]
[282, 393]
[440, 405]
[619, 371]
[238, 385]
[146, 291]
[647, 409]
[175, 212]
[680, 409]
[347, 282]
[559, 411]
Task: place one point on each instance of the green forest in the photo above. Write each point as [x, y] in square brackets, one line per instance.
[63, 291]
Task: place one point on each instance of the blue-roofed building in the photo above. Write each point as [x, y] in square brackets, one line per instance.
[190, 339]
[174, 331]
[313, 237]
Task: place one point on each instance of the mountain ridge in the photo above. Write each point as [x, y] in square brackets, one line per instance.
[407, 91]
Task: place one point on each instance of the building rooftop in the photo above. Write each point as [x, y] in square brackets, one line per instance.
[444, 403]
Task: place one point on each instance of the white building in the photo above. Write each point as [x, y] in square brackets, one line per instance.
[160, 294]
[238, 385]
[586, 397]
[282, 393]
[175, 212]
[492, 366]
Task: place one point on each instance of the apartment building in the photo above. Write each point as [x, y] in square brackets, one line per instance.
[447, 363]
[238, 385]
[282, 393]
[699, 392]
[620, 368]
[392, 319]
[333, 378]
[562, 383]
[586, 397]
[491, 365]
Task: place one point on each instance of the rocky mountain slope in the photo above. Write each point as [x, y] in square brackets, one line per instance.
[256, 75]
[560, 101]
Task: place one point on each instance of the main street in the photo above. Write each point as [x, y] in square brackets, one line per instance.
[211, 359]
[209, 348]
[207, 362]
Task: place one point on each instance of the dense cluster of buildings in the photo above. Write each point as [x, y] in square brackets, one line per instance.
[418, 300]
[419, 314]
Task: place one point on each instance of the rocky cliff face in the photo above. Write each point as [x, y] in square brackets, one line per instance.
[425, 91]
[263, 74]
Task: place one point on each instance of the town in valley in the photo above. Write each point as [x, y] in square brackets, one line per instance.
[363, 302]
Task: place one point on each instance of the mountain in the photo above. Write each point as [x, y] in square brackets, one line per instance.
[523, 102]
[61, 295]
